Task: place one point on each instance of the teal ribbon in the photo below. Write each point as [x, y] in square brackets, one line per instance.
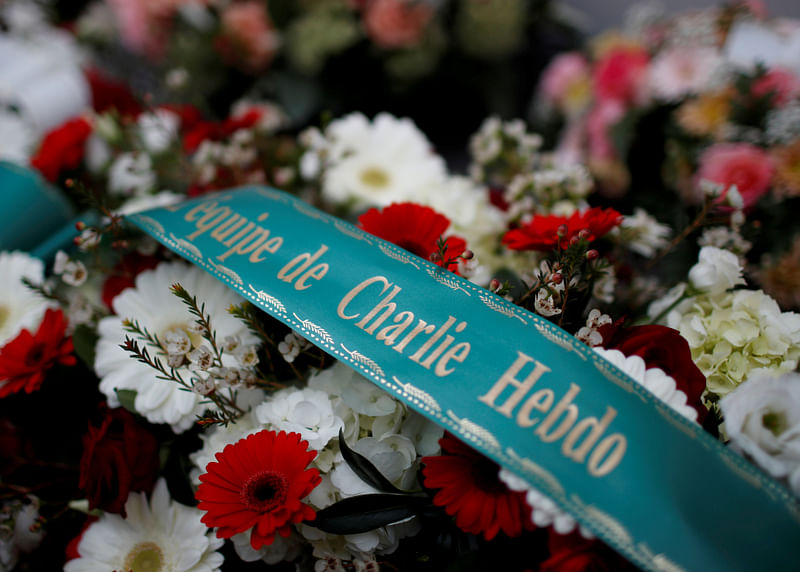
[33, 214]
[671, 499]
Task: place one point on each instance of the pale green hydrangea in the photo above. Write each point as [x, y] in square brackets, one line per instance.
[737, 334]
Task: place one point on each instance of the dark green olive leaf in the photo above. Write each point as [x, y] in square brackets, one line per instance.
[367, 512]
[126, 398]
[84, 340]
[364, 468]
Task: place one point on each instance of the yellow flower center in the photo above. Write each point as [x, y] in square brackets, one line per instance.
[4, 312]
[775, 422]
[145, 557]
[375, 177]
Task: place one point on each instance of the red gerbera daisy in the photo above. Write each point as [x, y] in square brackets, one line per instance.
[257, 483]
[416, 229]
[25, 359]
[472, 492]
[542, 232]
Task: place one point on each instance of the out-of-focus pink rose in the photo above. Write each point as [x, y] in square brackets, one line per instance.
[251, 39]
[145, 24]
[566, 83]
[780, 82]
[741, 164]
[603, 116]
[396, 23]
[621, 75]
[757, 8]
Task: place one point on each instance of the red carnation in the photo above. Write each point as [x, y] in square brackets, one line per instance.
[62, 148]
[471, 491]
[416, 229]
[119, 456]
[664, 348]
[258, 483]
[542, 232]
[25, 359]
[574, 553]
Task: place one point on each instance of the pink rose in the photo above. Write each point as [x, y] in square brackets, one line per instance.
[621, 74]
[566, 82]
[740, 164]
[396, 23]
[251, 39]
[781, 83]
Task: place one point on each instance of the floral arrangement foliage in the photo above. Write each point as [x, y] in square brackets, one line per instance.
[195, 433]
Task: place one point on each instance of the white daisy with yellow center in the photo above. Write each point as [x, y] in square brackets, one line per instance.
[156, 536]
[377, 163]
[154, 307]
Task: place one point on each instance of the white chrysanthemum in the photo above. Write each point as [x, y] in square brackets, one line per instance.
[154, 307]
[306, 411]
[377, 163]
[762, 419]
[653, 379]
[20, 307]
[156, 535]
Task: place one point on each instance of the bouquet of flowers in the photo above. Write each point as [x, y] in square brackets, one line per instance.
[197, 432]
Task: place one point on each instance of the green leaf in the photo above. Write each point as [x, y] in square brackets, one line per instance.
[84, 340]
[367, 512]
[364, 468]
[126, 398]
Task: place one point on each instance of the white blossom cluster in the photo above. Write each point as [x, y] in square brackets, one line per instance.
[550, 189]
[502, 140]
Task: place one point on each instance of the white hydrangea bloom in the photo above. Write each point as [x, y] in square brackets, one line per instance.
[306, 411]
[737, 334]
[762, 420]
[161, 534]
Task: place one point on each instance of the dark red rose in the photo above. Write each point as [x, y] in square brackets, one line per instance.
[108, 94]
[62, 148]
[664, 348]
[119, 456]
[542, 232]
[574, 553]
[124, 274]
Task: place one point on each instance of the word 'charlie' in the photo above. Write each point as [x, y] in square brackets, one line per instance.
[396, 335]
